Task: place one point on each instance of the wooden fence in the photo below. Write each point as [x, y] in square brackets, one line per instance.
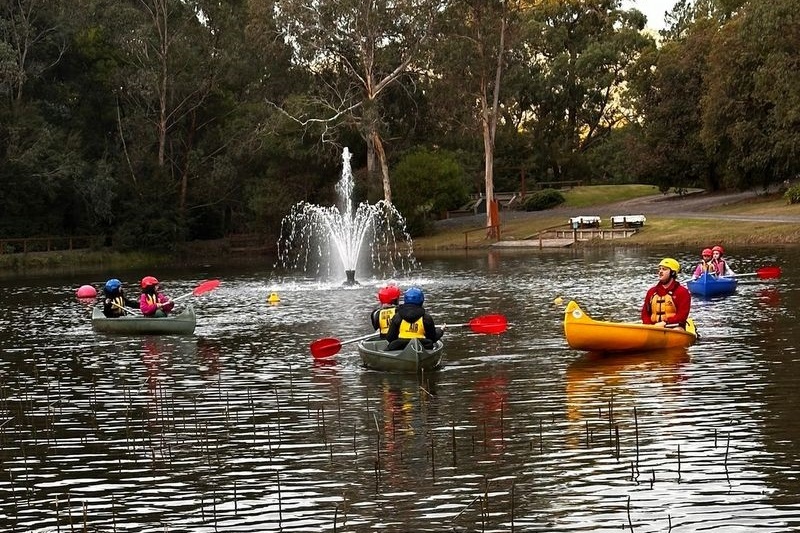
[48, 244]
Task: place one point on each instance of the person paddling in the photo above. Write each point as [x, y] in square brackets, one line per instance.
[412, 321]
[706, 266]
[719, 263]
[667, 303]
[389, 298]
[152, 302]
[115, 303]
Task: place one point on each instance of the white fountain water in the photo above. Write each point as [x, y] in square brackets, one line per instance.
[327, 241]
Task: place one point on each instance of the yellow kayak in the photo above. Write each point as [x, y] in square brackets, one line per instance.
[585, 333]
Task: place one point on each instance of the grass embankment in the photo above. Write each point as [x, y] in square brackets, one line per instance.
[709, 226]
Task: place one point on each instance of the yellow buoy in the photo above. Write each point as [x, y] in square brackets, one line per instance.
[274, 298]
[559, 300]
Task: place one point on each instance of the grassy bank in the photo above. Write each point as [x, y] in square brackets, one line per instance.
[710, 225]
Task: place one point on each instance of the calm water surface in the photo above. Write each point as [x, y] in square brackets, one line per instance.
[237, 428]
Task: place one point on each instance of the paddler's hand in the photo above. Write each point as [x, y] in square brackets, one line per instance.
[661, 324]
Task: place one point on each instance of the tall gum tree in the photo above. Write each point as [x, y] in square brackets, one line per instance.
[355, 49]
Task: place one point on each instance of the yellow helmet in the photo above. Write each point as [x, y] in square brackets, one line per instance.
[671, 264]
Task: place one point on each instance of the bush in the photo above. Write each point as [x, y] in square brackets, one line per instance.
[792, 194]
[544, 199]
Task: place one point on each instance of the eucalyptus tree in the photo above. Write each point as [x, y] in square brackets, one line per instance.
[355, 50]
[752, 98]
[471, 64]
[579, 55]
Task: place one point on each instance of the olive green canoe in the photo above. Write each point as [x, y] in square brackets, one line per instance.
[179, 324]
[413, 358]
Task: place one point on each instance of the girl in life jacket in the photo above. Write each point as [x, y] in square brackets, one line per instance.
[668, 302]
[152, 302]
[389, 298]
[719, 263]
[411, 321]
[706, 265]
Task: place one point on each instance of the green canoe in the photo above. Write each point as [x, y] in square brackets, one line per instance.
[413, 358]
[180, 324]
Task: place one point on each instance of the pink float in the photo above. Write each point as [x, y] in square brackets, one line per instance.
[86, 291]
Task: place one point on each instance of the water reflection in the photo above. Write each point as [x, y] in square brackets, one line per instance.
[237, 428]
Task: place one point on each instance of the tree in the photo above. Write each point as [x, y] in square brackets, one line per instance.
[356, 49]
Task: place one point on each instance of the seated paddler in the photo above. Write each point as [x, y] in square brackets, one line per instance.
[115, 303]
[667, 303]
[412, 321]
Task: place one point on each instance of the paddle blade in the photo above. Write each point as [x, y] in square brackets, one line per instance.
[322, 348]
[206, 286]
[490, 324]
[770, 272]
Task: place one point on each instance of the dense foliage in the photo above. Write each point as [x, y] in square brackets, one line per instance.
[154, 122]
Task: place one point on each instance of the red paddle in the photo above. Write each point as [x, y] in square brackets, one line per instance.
[489, 324]
[768, 272]
[204, 287]
[328, 346]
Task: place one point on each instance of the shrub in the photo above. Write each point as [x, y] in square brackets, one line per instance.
[792, 194]
[541, 200]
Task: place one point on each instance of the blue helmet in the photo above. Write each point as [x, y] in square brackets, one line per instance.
[113, 285]
[414, 296]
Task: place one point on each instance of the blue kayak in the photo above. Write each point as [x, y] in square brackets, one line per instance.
[708, 285]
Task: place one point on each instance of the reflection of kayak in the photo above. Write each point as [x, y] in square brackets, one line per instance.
[606, 366]
[413, 358]
[585, 333]
[182, 323]
[709, 285]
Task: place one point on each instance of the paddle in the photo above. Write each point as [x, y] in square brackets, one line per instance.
[489, 324]
[768, 272]
[328, 346]
[204, 287]
[129, 310]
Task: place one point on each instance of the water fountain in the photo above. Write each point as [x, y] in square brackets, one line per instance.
[317, 238]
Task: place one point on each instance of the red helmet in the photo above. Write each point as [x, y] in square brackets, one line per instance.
[149, 281]
[389, 294]
[719, 249]
[707, 252]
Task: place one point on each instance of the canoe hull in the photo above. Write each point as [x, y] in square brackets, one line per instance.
[179, 324]
[413, 358]
[709, 286]
[584, 333]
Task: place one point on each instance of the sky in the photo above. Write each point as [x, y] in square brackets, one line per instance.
[653, 10]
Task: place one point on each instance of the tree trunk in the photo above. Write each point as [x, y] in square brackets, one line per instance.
[380, 155]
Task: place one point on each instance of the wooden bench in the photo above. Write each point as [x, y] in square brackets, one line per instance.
[628, 221]
[584, 222]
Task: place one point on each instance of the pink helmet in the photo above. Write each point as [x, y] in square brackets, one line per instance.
[707, 252]
[719, 249]
[149, 281]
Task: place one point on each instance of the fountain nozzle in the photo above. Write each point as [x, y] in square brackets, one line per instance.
[351, 277]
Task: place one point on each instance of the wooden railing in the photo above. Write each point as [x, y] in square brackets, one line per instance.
[492, 232]
[47, 244]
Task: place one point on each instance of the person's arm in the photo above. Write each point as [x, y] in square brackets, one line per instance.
[430, 328]
[373, 317]
[166, 303]
[646, 307]
[698, 271]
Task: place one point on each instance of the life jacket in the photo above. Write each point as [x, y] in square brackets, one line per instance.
[411, 330]
[118, 305]
[662, 307]
[708, 267]
[384, 317]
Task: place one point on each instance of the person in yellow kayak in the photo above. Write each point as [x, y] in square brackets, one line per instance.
[389, 297]
[412, 321]
[115, 303]
[153, 302]
[667, 303]
[706, 265]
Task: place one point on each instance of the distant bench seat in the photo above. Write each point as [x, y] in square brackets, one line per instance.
[628, 221]
[584, 222]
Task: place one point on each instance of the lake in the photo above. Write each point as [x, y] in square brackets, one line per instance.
[238, 428]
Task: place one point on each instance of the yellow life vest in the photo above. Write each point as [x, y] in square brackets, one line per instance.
[118, 306]
[384, 317]
[662, 308]
[151, 298]
[411, 330]
[708, 266]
